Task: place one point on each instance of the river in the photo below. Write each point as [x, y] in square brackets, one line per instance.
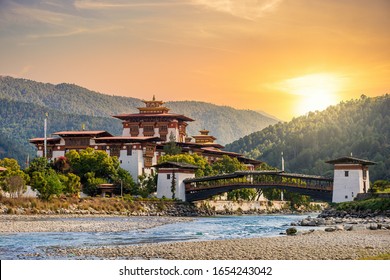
[35, 245]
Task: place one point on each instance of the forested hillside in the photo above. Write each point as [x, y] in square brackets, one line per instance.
[21, 121]
[225, 123]
[360, 127]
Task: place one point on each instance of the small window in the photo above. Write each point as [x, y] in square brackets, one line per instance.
[129, 150]
[364, 174]
[346, 197]
[346, 173]
[168, 176]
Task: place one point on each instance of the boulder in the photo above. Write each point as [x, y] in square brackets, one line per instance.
[373, 226]
[348, 227]
[291, 231]
[330, 229]
[339, 227]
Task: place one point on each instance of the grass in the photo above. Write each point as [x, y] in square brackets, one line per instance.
[373, 204]
[114, 204]
[378, 257]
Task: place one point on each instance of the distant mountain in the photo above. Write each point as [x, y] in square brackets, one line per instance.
[360, 127]
[21, 121]
[24, 103]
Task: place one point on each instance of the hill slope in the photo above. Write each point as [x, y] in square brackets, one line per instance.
[360, 127]
[23, 104]
[225, 123]
[22, 121]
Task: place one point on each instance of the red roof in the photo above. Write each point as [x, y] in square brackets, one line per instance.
[82, 133]
[49, 140]
[350, 160]
[166, 115]
[125, 139]
[211, 150]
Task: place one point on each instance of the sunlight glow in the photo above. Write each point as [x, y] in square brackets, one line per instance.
[316, 91]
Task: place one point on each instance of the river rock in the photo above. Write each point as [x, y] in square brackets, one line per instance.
[291, 231]
[348, 227]
[373, 226]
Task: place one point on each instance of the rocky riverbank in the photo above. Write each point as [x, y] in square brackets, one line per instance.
[316, 245]
[88, 223]
[351, 220]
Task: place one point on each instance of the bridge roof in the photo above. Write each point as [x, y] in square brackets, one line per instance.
[304, 176]
[240, 174]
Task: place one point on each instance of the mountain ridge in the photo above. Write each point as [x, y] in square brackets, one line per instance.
[360, 127]
[69, 103]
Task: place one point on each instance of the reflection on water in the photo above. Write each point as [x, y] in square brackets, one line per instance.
[33, 245]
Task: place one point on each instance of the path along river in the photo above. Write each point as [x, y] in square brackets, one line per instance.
[34, 245]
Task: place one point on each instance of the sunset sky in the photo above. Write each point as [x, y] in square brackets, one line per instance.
[284, 57]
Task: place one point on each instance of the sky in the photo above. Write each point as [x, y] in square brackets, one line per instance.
[283, 57]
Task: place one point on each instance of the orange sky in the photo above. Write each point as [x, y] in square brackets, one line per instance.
[281, 56]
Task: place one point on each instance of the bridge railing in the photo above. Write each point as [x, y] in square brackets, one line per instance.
[189, 186]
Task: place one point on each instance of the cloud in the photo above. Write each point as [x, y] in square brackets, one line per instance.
[247, 9]
[101, 5]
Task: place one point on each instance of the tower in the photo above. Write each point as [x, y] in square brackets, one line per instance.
[350, 178]
[154, 120]
[170, 179]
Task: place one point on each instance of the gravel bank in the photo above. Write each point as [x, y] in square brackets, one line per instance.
[71, 223]
[318, 245]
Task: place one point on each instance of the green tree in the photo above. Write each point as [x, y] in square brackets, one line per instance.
[125, 183]
[205, 168]
[90, 186]
[90, 160]
[71, 184]
[171, 148]
[227, 165]
[97, 167]
[147, 185]
[38, 164]
[380, 186]
[48, 184]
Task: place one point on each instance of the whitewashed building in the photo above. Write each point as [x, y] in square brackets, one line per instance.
[142, 141]
[170, 179]
[351, 177]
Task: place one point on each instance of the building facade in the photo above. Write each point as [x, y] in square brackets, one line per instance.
[351, 177]
[142, 141]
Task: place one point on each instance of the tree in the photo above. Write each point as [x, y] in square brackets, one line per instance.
[13, 179]
[147, 185]
[38, 164]
[71, 184]
[227, 165]
[125, 183]
[205, 168]
[48, 184]
[173, 185]
[90, 186]
[97, 167]
[16, 185]
[380, 186]
[171, 148]
[61, 164]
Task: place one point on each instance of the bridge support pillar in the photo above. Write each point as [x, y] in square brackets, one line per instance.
[170, 179]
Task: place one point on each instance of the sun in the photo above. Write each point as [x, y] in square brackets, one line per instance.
[315, 91]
